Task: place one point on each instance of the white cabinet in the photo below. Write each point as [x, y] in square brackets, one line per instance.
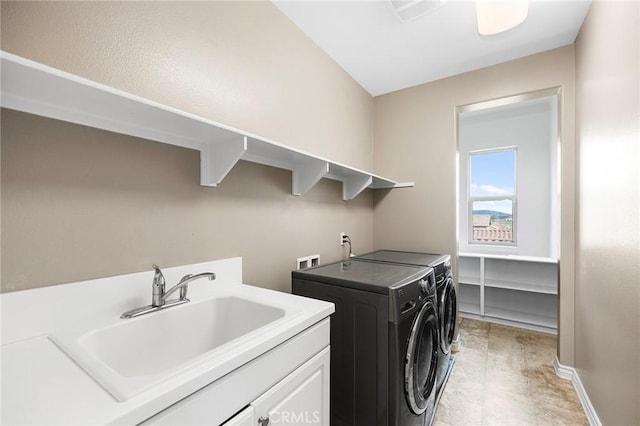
[287, 385]
[517, 290]
[301, 398]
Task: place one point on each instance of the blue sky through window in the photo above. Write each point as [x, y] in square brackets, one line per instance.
[493, 173]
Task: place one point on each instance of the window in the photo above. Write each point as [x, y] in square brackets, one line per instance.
[492, 197]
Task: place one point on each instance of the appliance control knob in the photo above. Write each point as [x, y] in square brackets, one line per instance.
[424, 285]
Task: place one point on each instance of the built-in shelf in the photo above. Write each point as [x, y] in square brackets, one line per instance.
[517, 290]
[469, 308]
[533, 259]
[469, 299]
[35, 88]
[543, 288]
[521, 317]
[469, 280]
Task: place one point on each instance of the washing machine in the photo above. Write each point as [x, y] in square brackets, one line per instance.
[384, 340]
[446, 296]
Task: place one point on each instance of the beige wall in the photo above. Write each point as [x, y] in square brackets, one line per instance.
[79, 203]
[242, 63]
[415, 140]
[608, 240]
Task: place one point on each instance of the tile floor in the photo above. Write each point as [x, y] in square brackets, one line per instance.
[504, 376]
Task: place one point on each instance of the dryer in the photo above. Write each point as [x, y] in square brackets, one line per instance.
[446, 296]
[384, 340]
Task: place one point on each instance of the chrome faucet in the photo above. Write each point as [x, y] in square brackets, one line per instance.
[184, 282]
[159, 296]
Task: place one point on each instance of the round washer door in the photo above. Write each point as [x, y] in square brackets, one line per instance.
[422, 359]
[448, 305]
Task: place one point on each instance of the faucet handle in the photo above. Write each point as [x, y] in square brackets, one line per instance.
[158, 278]
[158, 287]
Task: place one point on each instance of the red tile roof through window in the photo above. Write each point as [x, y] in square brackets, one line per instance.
[492, 234]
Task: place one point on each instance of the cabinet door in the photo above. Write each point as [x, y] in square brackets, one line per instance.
[302, 398]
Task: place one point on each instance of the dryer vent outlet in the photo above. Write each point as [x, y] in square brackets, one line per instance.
[308, 261]
[302, 262]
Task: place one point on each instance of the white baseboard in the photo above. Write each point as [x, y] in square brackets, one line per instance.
[570, 373]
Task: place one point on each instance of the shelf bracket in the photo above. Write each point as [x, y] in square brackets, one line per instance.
[306, 174]
[355, 184]
[217, 159]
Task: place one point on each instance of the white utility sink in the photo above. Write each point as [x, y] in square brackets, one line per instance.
[69, 359]
[155, 343]
[128, 356]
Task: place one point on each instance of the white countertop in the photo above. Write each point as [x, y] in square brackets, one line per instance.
[42, 385]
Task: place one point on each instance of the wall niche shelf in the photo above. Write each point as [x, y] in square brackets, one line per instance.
[38, 89]
[509, 289]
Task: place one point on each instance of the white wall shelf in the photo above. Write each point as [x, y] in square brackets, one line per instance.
[35, 88]
[517, 290]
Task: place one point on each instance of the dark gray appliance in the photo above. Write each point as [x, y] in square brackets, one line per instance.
[384, 340]
[447, 302]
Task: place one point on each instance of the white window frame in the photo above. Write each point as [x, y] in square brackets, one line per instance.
[513, 198]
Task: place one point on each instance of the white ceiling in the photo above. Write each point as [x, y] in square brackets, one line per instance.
[384, 54]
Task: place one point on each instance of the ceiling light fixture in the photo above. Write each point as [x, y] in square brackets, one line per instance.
[408, 10]
[496, 16]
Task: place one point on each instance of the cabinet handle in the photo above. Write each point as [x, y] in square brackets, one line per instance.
[263, 421]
